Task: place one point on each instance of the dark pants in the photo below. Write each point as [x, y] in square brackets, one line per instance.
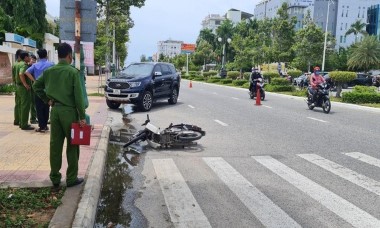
[42, 113]
[313, 92]
[253, 87]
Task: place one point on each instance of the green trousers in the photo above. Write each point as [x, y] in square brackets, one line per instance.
[17, 108]
[33, 113]
[24, 105]
[61, 119]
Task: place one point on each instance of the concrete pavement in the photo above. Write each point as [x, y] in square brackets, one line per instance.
[24, 158]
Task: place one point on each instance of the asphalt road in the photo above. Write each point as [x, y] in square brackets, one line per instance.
[274, 165]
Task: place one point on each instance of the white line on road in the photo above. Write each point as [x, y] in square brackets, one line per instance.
[345, 173]
[266, 106]
[215, 93]
[235, 98]
[183, 208]
[221, 123]
[269, 214]
[191, 106]
[364, 158]
[346, 210]
[323, 121]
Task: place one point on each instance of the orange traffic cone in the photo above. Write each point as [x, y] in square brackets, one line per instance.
[258, 97]
[190, 85]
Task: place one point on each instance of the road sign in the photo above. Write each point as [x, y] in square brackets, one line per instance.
[88, 20]
[187, 48]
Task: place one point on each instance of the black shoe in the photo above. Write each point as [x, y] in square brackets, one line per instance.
[34, 122]
[16, 124]
[28, 128]
[79, 180]
[46, 128]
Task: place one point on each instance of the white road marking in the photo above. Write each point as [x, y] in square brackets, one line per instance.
[364, 158]
[183, 208]
[266, 106]
[323, 121]
[215, 93]
[221, 123]
[191, 106]
[346, 210]
[235, 98]
[269, 214]
[345, 173]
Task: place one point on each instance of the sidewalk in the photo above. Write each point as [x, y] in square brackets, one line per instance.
[24, 160]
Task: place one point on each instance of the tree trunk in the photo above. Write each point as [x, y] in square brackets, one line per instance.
[338, 89]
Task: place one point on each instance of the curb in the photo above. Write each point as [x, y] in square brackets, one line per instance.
[84, 213]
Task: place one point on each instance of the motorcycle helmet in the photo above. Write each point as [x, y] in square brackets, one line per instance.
[317, 70]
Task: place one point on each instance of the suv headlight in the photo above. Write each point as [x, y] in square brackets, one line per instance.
[134, 84]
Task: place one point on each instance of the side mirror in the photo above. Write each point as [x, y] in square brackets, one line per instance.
[157, 73]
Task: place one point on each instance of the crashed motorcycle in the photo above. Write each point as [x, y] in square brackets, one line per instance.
[259, 85]
[174, 135]
[322, 99]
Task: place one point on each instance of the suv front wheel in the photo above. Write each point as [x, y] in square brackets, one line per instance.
[173, 96]
[112, 104]
[146, 102]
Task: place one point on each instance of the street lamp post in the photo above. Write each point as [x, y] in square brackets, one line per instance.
[224, 50]
[325, 43]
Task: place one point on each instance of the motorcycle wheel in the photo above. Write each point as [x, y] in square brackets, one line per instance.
[251, 95]
[326, 106]
[189, 136]
[262, 93]
[311, 107]
[142, 136]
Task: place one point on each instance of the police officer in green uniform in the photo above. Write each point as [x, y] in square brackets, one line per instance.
[60, 87]
[24, 91]
[15, 66]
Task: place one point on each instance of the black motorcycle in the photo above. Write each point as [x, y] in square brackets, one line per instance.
[322, 99]
[259, 85]
[174, 135]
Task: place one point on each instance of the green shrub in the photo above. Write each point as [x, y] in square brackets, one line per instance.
[184, 76]
[215, 77]
[300, 93]
[279, 88]
[183, 73]
[294, 73]
[9, 88]
[226, 81]
[213, 80]
[210, 73]
[280, 81]
[247, 75]
[246, 85]
[270, 74]
[233, 74]
[193, 73]
[239, 82]
[360, 98]
[199, 78]
[364, 89]
[342, 76]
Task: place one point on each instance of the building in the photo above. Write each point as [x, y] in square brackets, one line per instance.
[373, 15]
[212, 22]
[320, 15]
[169, 48]
[348, 13]
[269, 8]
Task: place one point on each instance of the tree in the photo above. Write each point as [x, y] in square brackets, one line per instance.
[27, 18]
[225, 31]
[143, 58]
[207, 35]
[203, 54]
[365, 55]
[283, 34]
[357, 28]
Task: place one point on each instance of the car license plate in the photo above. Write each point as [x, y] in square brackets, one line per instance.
[116, 91]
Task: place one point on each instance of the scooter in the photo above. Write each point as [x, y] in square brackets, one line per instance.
[174, 135]
[259, 85]
[322, 99]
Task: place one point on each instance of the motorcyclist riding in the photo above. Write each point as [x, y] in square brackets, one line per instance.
[315, 80]
[254, 76]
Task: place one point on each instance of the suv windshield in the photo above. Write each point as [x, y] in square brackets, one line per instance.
[136, 70]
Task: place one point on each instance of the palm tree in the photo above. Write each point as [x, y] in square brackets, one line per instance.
[356, 28]
[366, 54]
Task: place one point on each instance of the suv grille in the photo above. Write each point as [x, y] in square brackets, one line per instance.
[118, 85]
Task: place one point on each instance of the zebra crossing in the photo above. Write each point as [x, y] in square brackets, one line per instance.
[185, 211]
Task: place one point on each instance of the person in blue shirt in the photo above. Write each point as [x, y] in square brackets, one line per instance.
[42, 108]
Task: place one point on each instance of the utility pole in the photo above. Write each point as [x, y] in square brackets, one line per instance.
[113, 53]
[325, 44]
[77, 33]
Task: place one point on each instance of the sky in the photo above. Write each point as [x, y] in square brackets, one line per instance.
[160, 20]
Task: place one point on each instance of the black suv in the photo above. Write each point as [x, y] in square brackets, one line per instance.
[143, 83]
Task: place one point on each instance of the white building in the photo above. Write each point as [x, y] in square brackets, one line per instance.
[348, 13]
[269, 8]
[212, 22]
[169, 48]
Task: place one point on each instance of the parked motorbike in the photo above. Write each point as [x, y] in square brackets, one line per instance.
[174, 135]
[259, 85]
[322, 99]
